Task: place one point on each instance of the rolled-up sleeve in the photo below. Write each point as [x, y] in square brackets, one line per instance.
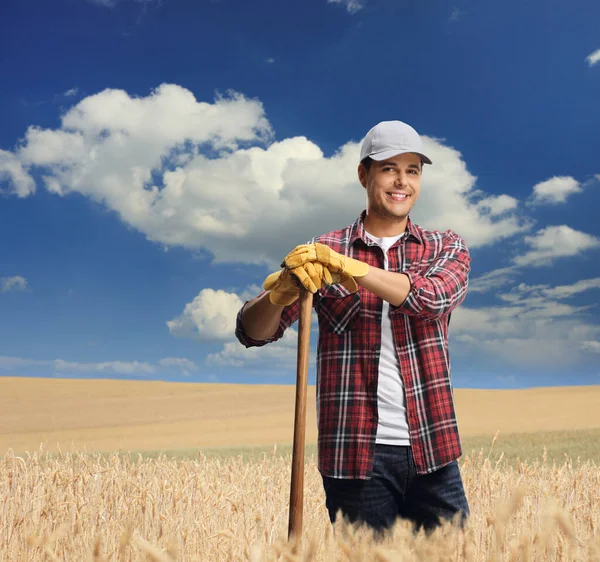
[288, 317]
[439, 290]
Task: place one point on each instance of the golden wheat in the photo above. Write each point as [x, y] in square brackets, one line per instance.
[81, 506]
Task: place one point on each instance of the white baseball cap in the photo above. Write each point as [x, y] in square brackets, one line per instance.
[390, 138]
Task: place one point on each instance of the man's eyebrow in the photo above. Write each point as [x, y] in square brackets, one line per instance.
[393, 164]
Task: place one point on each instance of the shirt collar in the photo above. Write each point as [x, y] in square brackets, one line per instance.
[357, 231]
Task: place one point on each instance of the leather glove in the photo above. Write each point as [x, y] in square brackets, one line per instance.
[308, 275]
[284, 285]
[336, 263]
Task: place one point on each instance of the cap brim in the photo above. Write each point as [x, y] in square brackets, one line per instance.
[391, 153]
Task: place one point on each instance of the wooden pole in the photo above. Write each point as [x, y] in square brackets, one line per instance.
[297, 484]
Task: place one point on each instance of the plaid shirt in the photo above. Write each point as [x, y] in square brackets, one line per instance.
[349, 345]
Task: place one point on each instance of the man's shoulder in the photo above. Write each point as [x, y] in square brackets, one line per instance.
[433, 236]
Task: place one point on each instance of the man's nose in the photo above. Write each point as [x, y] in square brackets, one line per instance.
[402, 178]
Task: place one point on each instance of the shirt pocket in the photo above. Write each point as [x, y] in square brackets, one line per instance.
[338, 309]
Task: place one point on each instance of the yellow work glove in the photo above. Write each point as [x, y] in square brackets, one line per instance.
[336, 263]
[285, 284]
[308, 275]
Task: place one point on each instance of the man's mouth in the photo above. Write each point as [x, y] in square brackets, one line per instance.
[397, 196]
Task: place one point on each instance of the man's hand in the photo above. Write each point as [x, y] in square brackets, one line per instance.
[320, 253]
[284, 287]
[308, 274]
[285, 284]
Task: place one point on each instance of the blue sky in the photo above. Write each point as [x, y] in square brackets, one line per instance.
[159, 158]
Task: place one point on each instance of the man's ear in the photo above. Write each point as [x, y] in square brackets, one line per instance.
[362, 175]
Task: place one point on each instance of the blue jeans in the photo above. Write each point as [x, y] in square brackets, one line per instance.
[396, 490]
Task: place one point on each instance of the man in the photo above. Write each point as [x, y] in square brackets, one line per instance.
[388, 438]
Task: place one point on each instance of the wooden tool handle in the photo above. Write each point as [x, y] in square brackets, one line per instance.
[297, 484]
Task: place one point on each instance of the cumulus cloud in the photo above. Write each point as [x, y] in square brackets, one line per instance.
[15, 283]
[554, 242]
[533, 327]
[555, 190]
[593, 346]
[497, 205]
[118, 367]
[184, 365]
[494, 279]
[565, 291]
[11, 363]
[14, 175]
[60, 366]
[210, 316]
[209, 175]
[275, 357]
[593, 58]
[352, 6]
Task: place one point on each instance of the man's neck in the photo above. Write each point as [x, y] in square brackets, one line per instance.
[384, 228]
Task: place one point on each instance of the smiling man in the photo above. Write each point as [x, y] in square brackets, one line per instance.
[384, 292]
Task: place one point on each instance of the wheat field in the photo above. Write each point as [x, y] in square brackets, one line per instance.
[82, 506]
[64, 501]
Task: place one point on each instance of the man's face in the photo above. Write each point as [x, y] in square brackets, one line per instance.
[392, 185]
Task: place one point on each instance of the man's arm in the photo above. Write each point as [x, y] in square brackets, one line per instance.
[391, 287]
[261, 318]
[433, 294]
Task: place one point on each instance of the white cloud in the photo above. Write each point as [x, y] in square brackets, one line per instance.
[15, 283]
[554, 242]
[565, 291]
[494, 279]
[210, 316]
[593, 346]
[10, 363]
[207, 175]
[250, 292]
[352, 6]
[496, 206]
[72, 92]
[117, 367]
[593, 58]
[278, 356]
[533, 329]
[555, 190]
[13, 173]
[58, 366]
[184, 365]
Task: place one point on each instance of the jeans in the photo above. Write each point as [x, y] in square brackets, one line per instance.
[396, 490]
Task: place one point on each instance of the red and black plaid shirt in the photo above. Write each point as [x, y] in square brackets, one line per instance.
[438, 265]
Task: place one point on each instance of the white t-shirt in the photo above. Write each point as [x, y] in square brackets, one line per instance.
[392, 428]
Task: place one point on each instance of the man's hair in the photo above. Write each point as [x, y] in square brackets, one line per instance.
[366, 162]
